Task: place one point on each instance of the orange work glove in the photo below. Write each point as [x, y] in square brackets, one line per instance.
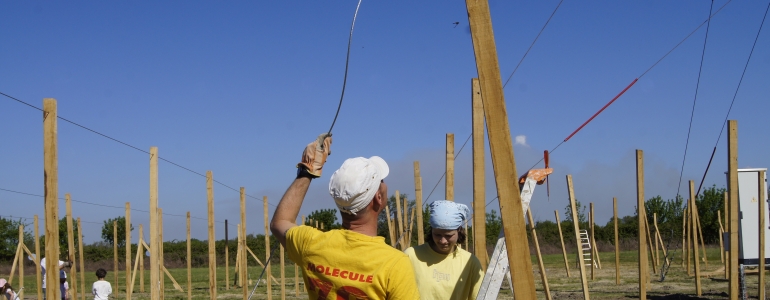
[314, 156]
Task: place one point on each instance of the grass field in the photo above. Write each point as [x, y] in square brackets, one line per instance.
[677, 284]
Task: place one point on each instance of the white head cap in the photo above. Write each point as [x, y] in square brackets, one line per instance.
[356, 182]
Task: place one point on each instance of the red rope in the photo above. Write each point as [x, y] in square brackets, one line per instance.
[601, 110]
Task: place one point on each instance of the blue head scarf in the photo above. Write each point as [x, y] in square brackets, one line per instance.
[448, 215]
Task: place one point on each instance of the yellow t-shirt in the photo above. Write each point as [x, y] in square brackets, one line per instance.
[342, 264]
[457, 275]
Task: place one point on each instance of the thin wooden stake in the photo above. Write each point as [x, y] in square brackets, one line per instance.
[391, 230]
[688, 253]
[80, 253]
[761, 231]
[655, 240]
[479, 180]
[129, 286]
[643, 273]
[728, 269]
[136, 261]
[51, 185]
[38, 269]
[649, 246]
[155, 275]
[267, 251]
[695, 239]
[561, 239]
[161, 256]
[576, 227]
[662, 244]
[244, 264]
[591, 239]
[21, 263]
[115, 255]
[400, 221]
[721, 242]
[732, 188]
[617, 245]
[141, 258]
[700, 231]
[70, 246]
[212, 238]
[189, 260]
[684, 235]
[418, 203]
[283, 274]
[449, 183]
[540, 264]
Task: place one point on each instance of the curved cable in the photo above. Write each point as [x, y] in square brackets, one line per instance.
[347, 61]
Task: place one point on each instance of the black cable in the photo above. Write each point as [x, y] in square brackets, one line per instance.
[133, 147]
[695, 98]
[347, 60]
[533, 43]
[735, 95]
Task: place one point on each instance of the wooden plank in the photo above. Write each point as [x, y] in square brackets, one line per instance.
[212, 238]
[699, 230]
[115, 256]
[449, 182]
[155, 245]
[38, 269]
[649, 247]
[141, 259]
[662, 244]
[21, 261]
[561, 239]
[51, 186]
[501, 145]
[176, 285]
[15, 262]
[726, 201]
[189, 259]
[70, 245]
[479, 188]
[694, 213]
[732, 189]
[129, 286]
[761, 231]
[655, 240]
[593, 239]
[244, 261]
[82, 267]
[617, 245]
[576, 229]
[267, 250]
[418, 203]
[688, 253]
[684, 234]
[540, 264]
[641, 213]
[161, 254]
[400, 221]
[391, 231]
[136, 261]
[721, 242]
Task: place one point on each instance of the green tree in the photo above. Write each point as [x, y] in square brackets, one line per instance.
[108, 232]
[63, 245]
[9, 237]
[581, 210]
[493, 226]
[327, 217]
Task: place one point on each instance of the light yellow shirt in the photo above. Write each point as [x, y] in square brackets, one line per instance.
[342, 264]
[457, 275]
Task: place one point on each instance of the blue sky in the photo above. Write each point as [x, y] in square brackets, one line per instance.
[240, 87]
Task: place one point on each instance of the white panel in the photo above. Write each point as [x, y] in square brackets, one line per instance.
[748, 195]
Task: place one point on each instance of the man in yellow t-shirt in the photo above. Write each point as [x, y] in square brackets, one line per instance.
[349, 263]
[443, 269]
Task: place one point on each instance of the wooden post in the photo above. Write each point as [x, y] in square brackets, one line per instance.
[662, 244]
[684, 235]
[695, 238]
[283, 274]
[655, 240]
[21, 262]
[267, 252]
[212, 239]
[617, 245]
[161, 254]
[561, 239]
[721, 242]
[576, 226]
[82, 267]
[479, 189]
[728, 258]
[449, 183]
[70, 247]
[51, 185]
[540, 264]
[649, 246]
[400, 221]
[643, 273]
[141, 258]
[391, 231]
[761, 231]
[227, 259]
[501, 146]
[699, 229]
[593, 239]
[418, 204]
[115, 255]
[688, 243]
[732, 189]
[189, 260]
[154, 242]
[38, 269]
[242, 247]
[129, 286]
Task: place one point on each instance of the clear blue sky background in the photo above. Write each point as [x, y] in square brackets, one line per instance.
[240, 87]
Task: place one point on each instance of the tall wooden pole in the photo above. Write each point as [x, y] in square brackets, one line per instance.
[761, 231]
[212, 239]
[501, 148]
[38, 269]
[268, 272]
[732, 189]
[154, 242]
[418, 202]
[449, 183]
[189, 260]
[617, 245]
[479, 189]
[51, 181]
[561, 239]
[695, 239]
[141, 258]
[641, 213]
[576, 227]
[129, 286]
[540, 264]
[243, 266]
[80, 252]
[115, 255]
[70, 246]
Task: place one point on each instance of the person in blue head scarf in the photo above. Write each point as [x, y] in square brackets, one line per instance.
[442, 268]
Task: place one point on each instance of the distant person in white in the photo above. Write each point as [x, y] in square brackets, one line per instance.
[102, 288]
[62, 264]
